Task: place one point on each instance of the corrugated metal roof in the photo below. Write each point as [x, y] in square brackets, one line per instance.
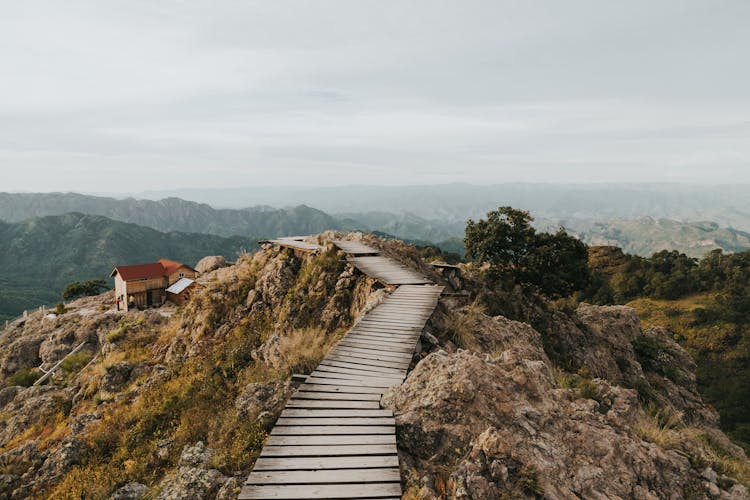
[180, 285]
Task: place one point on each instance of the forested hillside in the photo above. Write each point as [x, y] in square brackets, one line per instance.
[706, 303]
[38, 257]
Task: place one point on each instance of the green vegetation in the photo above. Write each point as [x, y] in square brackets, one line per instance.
[24, 377]
[554, 264]
[705, 303]
[84, 288]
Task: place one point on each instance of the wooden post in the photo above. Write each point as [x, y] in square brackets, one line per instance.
[48, 373]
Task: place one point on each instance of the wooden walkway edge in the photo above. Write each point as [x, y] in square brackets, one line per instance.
[333, 440]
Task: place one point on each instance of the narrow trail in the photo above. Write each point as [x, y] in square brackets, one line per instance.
[333, 440]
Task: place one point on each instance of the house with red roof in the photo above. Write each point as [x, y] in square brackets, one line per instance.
[145, 285]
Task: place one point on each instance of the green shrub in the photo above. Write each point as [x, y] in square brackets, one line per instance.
[24, 377]
[75, 362]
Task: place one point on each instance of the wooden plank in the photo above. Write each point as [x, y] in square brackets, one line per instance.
[329, 450]
[373, 353]
[306, 430]
[325, 476]
[387, 354]
[382, 345]
[330, 491]
[335, 395]
[336, 463]
[295, 412]
[393, 339]
[328, 439]
[373, 369]
[369, 362]
[357, 372]
[326, 403]
[379, 383]
[362, 342]
[341, 389]
[371, 357]
[381, 329]
[341, 421]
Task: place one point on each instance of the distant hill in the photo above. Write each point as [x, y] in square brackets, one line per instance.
[645, 236]
[726, 205]
[443, 226]
[38, 257]
[171, 214]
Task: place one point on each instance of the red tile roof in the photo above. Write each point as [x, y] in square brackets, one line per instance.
[158, 269]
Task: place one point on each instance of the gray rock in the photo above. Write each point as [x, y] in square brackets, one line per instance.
[210, 263]
[131, 491]
[8, 394]
[116, 377]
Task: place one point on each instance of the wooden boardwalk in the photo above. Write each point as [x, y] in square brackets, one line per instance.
[333, 440]
[295, 243]
[355, 248]
[388, 270]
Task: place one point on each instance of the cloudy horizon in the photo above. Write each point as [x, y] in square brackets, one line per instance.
[132, 96]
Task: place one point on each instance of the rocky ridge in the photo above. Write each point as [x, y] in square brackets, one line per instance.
[508, 397]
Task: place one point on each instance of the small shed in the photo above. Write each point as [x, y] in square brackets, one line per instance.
[181, 290]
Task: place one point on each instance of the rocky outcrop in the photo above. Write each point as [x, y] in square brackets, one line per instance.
[210, 263]
[194, 477]
[501, 421]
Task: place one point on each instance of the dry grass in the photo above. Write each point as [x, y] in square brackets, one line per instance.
[302, 350]
[660, 426]
[461, 324]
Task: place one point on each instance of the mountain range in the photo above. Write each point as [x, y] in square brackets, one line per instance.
[51, 239]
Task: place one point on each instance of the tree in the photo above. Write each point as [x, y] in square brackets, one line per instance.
[555, 264]
[503, 240]
[84, 288]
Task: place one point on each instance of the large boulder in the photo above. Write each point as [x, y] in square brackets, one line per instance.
[210, 263]
[194, 477]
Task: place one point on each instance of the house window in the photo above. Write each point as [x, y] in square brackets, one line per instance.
[181, 275]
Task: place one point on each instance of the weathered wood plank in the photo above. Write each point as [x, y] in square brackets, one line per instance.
[357, 372]
[308, 491]
[329, 450]
[329, 463]
[325, 476]
[379, 383]
[307, 430]
[332, 439]
[374, 353]
[295, 412]
[342, 421]
[341, 389]
[331, 403]
[369, 362]
[373, 369]
[334, 395]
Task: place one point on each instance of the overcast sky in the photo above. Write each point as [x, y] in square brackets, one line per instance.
[134, 95]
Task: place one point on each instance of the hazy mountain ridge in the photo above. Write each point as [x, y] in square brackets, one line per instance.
[726, 205]
[39, 256]
[642, 235]
[171, 214]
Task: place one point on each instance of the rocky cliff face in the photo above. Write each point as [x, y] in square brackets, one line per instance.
[499, 418]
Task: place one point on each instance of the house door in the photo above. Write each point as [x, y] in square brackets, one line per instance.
[148, 299]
